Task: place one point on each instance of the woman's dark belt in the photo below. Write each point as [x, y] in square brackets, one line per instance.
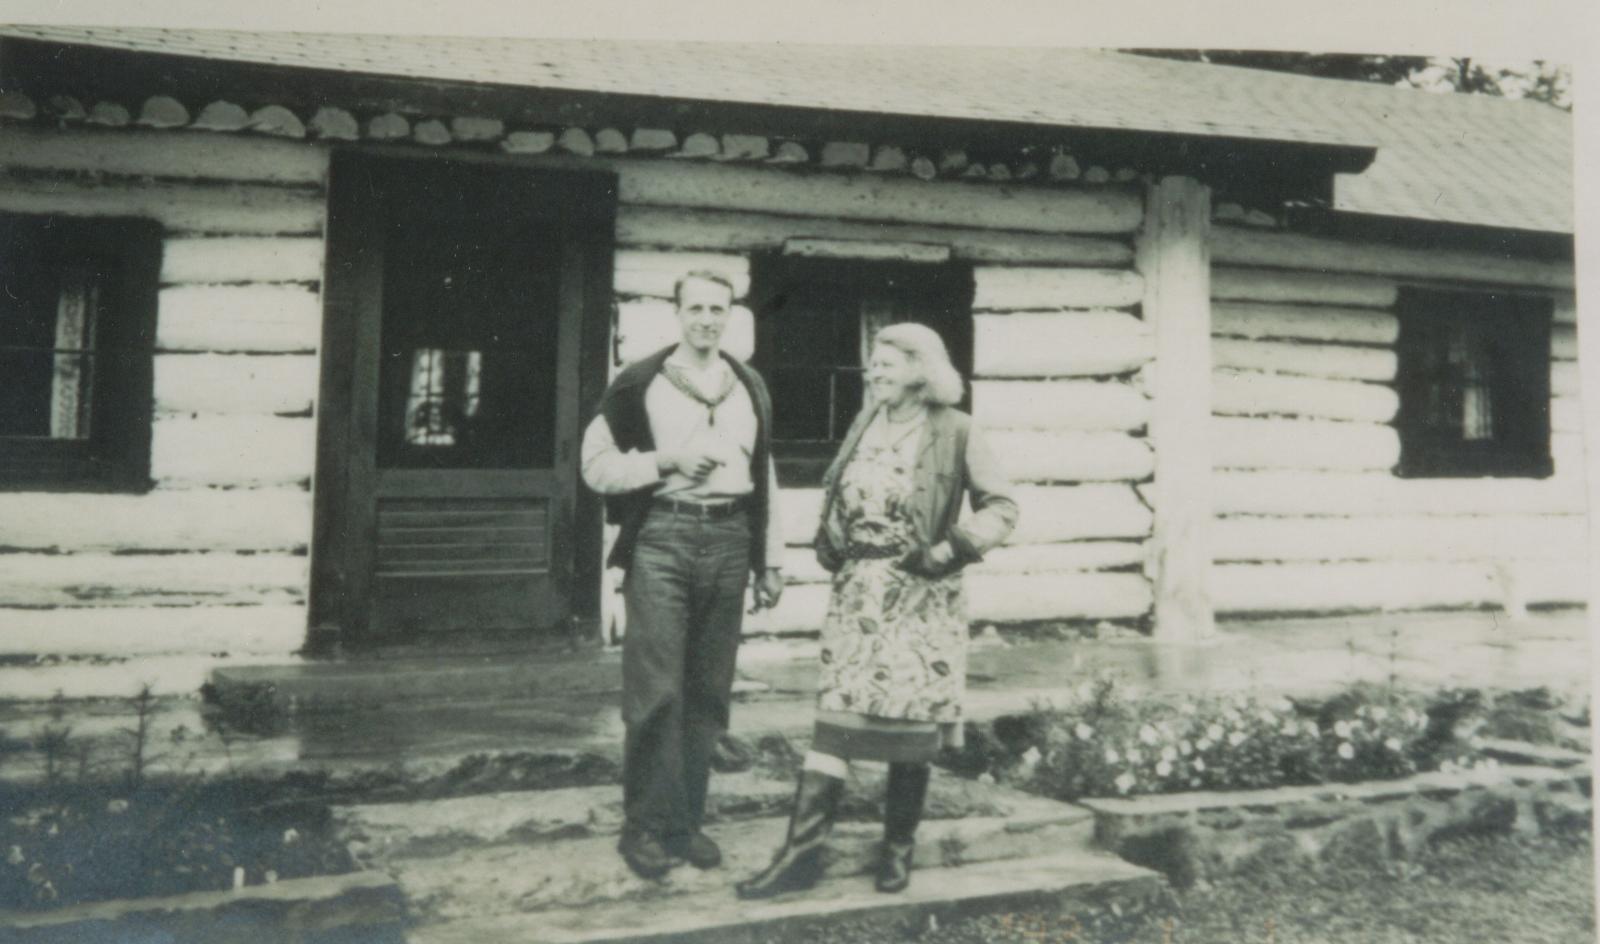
[708, 511]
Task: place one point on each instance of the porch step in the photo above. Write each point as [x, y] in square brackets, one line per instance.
[1070, 880]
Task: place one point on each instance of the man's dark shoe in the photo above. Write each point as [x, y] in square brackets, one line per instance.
[697, 849]
[644, 854]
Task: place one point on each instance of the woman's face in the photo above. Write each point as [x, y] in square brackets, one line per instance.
[891, 375]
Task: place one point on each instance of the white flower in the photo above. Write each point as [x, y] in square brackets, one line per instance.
[1134, 756]
[1199, 763]
[1032, 756]
[1347, 751]
[1083, 731]
[986, 778]
[291, 836]
[1185, 748]
[1283, 705]
[1214, 732]
[1267, 717]
[1342, 728]
[118, 805]
[1311, 728]
[1204, 744]
[1148, 734]
[1187, 708]
[1379, 713]
[1164, 769]
[1237, 737]
[1111, 756]
[1194, 781]
[1125, 783]
[1169, 753]
[1449, 767]
[1083, 691]
[1291, 727]
[14, 856]
[1393, 744]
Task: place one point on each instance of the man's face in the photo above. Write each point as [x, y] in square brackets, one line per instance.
[703, 310]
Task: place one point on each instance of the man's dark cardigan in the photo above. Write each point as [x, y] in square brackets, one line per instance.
[624, 411]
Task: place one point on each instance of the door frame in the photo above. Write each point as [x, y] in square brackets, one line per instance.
[344, 525]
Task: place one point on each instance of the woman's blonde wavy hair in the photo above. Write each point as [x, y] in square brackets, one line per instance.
[940, 381]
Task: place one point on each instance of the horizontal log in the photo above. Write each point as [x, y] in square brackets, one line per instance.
[801, 511]
[1379, 493]
[1566, 379]
[1564, 342]
[1248, 443]
[238, 209]
[278, 629]
[672, 227]
[1038, 287]
[1059, 405]
[1314, 288]
[226, 259]
[1339, 362]
[1394, 585]
[1566, 309]
[1401, 537]
[239, 318]
[163, 154]
[800, 563]
[1051, 514]
[875, 197]
[173, 580]
[1040, 456]
[165, 675]
[652, 274]
[1238, 246]
[648, 325]
[232, 450]
[1252, 393]
[874, 250]
[235, 383]
[1063, 596]
[277, 519]
[1060, 344]
[1566, 415]
[1262, 321]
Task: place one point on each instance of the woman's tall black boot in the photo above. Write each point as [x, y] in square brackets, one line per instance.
[798, 865]
[902, 812]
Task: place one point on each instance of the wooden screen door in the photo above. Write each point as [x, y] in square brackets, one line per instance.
[469, 292]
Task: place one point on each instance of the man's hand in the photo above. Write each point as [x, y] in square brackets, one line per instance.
[941, 554]
[769, 588]
[694, 463]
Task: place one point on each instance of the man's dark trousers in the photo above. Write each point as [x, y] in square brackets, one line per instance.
[684, 594]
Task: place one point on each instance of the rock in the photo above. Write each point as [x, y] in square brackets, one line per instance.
[528, 142]
[610, 141]
[277, 120]
[745, 147]
[999, 172]
[576, 141]
[17, 106]
[652, 139]
[790, 152]
[1228, 212]
[163, 111]
[66, 108]
[1124, 174]
[732, 754]
[334, 124]
[976, 172]
[388, 127]
[1027, 170]
[846, 154]
[888, 158]
[698, 144]
[1260, 218]
[923, 168]
[430, 131]
[222, 116]
[953, 162]
[109, 115]
[1064, 167]
[1096, 175]
[477, 129]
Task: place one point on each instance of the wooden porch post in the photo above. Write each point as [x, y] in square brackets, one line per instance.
[1174, 256]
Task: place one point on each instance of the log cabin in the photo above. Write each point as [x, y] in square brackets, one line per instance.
[302, 330]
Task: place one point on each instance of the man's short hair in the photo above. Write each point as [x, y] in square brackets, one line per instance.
[702, 275]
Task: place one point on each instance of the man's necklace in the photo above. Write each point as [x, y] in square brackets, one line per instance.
[679, 377]
[896, 432]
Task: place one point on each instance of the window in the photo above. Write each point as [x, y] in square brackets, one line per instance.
[1474, 381]
[77, 322]
[814, 323]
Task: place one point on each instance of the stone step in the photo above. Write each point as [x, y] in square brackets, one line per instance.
[384, 832]
[1073, 881]
[508, 878]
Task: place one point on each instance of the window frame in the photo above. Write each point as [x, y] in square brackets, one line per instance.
[1517, 327]
[801, 463]
[115, 456]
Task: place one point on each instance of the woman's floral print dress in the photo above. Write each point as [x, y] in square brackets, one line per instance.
[894, 644]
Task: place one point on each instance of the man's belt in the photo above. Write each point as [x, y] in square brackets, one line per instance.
[706, 511]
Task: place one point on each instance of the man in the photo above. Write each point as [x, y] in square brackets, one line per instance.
[682, 450]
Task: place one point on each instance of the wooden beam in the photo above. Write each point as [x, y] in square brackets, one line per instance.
[235, 383]
[232, 450]
[1090, 405]
[1173, 257]
[652, 274]
[1287, 492]
[231, 209]
[1062, 596]
[119, 580]
[1041, 456]
[1313, 288]
[169, 154]
[277, 519]
[1390, 585]
[1251, 247]
[1280, 322]
[1312, 445]
[800, 563]
[1401, 537]
[1036, 287]
[722, 230]
[1060, 344]
[123, 631]
[874, 197]
[867, 249]
[1335, 361]
[1253, 393]
[234, 259]
[239, 319]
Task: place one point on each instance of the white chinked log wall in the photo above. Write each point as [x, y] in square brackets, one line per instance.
[1309, 516]
[1058, 345]
[212, 562]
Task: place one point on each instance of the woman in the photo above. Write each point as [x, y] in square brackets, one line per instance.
[894, 644]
